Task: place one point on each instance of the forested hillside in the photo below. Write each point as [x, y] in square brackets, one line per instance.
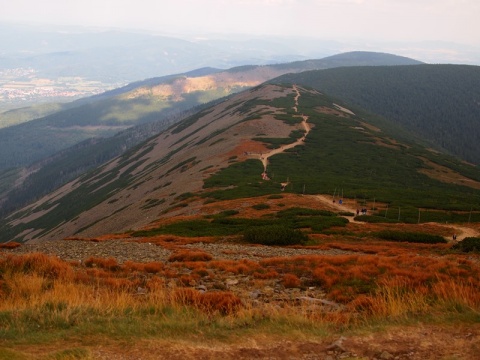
[438, 102]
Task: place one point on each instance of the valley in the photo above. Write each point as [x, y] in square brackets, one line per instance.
[20, 88]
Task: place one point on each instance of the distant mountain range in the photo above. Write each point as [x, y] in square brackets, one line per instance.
[114, 56]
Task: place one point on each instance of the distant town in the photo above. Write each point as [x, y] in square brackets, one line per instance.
[20, 87]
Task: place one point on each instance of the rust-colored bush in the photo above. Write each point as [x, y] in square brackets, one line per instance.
[190, 279]
[291, 281]
[108, 264]
[96, 273]
[10, 245]
[82, 277]
[38, 263]
[211, 302]
[327, 276]
[190, 255]
[155, 283]
[130, 266]
[119, 284]
[362, 303]
[170, 273]
[153, 267]
[265, 274]
[202, 272]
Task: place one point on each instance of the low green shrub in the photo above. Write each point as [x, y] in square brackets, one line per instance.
[228, 213]
[469, 244]
[346, 213]
[274, 235]
[261, 206]
[298, 211]
[275, 196]
[412, 237]
[374, 219]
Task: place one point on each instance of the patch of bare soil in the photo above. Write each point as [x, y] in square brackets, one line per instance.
[446, 175]
[410, 342]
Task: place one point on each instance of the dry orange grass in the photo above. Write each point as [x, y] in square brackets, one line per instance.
[220, 301]
[107, 264]
[190, 256]
[10, 245]
[172, 242]
[37, 263]
[345, 277]
[382, 280]
[291, 281]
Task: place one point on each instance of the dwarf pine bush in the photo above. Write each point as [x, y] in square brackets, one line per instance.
[274, 235]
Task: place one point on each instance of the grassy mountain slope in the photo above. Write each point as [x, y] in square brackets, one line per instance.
[437, 102]
[216, 155]
[21, 187]
[155, 101]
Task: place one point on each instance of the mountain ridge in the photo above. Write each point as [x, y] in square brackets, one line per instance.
[216, 154]
[161, 100]
[438, 102]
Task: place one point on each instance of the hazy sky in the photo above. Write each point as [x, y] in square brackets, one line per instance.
[410, 20]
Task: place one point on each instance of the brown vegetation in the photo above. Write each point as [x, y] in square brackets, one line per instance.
[348, 281]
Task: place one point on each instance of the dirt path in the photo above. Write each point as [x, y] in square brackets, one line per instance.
[348, 205]
[419, 342]
[461, 232]
[306, 126]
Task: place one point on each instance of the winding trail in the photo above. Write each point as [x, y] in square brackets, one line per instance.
[306, 126]
[348, 205]
[461, 231]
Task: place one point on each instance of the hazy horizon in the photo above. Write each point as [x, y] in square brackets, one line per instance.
[428, 30]
[377, 20]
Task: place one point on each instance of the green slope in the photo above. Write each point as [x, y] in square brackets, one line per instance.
[343, 153]
[357, 155]
[440, 103]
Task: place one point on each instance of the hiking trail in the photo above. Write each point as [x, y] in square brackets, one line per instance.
[300, 141]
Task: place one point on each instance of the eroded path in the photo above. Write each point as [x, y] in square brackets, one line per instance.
[306, 126]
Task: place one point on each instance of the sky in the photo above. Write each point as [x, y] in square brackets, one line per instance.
[375, 20]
